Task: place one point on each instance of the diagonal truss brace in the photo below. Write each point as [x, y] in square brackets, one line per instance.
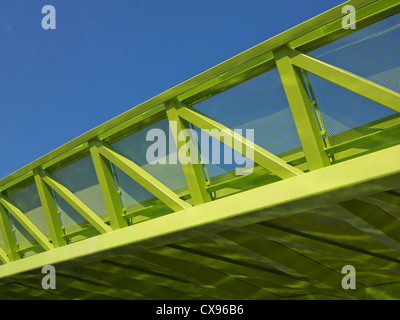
[261, 156]
[75, 203]
[10, 242]
[142, 177]
[25, 222]
[108, 188]
[50, 211]
[193, 171]
[348, 80]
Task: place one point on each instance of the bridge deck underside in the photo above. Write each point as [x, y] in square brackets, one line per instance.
[260, 254]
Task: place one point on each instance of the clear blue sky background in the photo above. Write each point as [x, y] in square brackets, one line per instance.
[106, 57]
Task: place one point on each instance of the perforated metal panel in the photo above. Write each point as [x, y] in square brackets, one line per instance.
[135, 147]
[259, 104]
[80, 178]
[372, 53]
[28, 201]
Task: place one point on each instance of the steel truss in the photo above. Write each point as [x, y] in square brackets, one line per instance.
[227, 237]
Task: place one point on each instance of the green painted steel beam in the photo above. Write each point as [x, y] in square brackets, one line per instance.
[366, 14]
[324, 187]
[368, 138]
[7, 232]
[142, 177]
[69, 154]
[50, 211]
[261, 156]
[109, 189]
[302, 110]
[157, 111]
[25, 222]
[316, 192]
[348, 80]
[76, 203]
[229, 75]
[193, 171]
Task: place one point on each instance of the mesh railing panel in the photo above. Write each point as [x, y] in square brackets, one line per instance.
[81, 179]
[372, 53]
[259, 104]
[135, 148]
[28, 201]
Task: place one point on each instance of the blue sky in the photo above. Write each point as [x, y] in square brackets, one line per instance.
[106, 57]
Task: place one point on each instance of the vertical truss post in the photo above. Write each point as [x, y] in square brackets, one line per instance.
[8, 235]
[316, 108]
[108, 188]
[193, 171]
[50, 211]
[302, 110]
[26, 223]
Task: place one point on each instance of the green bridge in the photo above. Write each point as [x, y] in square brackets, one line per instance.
[322, 190]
